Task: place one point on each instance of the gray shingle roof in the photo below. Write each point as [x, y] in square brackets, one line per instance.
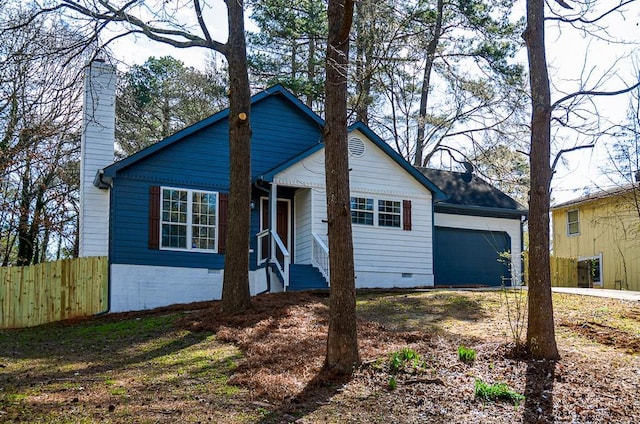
[468, 191]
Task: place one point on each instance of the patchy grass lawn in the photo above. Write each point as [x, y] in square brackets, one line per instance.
[264, 366]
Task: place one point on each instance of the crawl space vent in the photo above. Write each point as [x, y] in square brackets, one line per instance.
[356, 147]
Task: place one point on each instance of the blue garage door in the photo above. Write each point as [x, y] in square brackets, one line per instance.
[469, 257]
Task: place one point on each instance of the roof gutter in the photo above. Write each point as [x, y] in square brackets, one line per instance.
[470, 209]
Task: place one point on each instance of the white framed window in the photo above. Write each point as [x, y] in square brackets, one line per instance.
[189, 219]
[573, 222]
[389, 213]
[362, 211]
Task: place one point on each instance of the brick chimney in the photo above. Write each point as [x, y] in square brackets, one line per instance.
[97, 152]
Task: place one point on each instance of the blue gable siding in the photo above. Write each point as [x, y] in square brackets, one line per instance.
[200, 160]
[280, 131]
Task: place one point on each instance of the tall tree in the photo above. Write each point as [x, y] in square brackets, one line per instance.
[454, 83]
[39, 105]
[161, 97]
[376, 27]
[541, 341]
[164, 23]
[289, 45]
[342, 342]
[623, 167]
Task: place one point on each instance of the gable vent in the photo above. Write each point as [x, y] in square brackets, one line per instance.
[357, 148]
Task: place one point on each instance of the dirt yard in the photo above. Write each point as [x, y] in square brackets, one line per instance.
[191, 364]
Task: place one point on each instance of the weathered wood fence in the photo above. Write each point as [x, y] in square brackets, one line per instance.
[52, 291]
[564, 271]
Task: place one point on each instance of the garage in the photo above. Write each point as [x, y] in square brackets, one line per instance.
[465, 257]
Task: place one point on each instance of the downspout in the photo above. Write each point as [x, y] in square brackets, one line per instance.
[523, 219]
[108, 186]
[266, 268]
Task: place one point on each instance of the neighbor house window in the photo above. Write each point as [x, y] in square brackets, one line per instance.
[362, 210]
[189, 219]
[573, 222]
[594, 270]
[389, 213]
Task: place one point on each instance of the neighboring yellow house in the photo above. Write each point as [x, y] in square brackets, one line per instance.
[601, 231]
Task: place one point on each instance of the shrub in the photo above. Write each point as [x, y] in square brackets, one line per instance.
[516, 301]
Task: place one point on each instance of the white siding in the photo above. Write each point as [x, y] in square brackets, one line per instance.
[319, 213]
[384, 257]
[510, 226]
[139, 287]
[302, 222]
[96, 153]
[375, 172]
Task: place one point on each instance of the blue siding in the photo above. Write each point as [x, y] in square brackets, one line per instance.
[280, 131]
[201, 161]
[130, 227]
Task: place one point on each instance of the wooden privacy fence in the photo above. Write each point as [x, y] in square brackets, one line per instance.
[53, 291]
[564, 271]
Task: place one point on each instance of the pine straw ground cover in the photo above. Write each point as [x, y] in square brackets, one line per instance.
[264, 366]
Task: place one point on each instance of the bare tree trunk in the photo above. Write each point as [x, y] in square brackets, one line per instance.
[311, 67]
[364, 58]
[166, 117]
[34, 228]
[25, 245]
[235, 288]
[541, 341]
[76, 237]
[426, 81]
[342, 342]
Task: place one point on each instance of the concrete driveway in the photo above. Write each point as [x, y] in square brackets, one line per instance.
[612, 294]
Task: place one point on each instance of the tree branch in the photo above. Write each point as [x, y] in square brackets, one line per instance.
[203, 26]
[162, 35]
[594, 93]
[564, 4]
[581, 19]
[572, 149]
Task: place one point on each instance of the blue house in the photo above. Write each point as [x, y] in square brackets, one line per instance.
[160, 215]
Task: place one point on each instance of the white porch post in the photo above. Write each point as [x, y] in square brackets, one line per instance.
[273, 210]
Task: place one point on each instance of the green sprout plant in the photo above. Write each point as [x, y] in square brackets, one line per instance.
[496, 392]
[404, 360]
[466, 355]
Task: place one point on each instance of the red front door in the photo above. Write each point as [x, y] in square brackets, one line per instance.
[282, 225]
